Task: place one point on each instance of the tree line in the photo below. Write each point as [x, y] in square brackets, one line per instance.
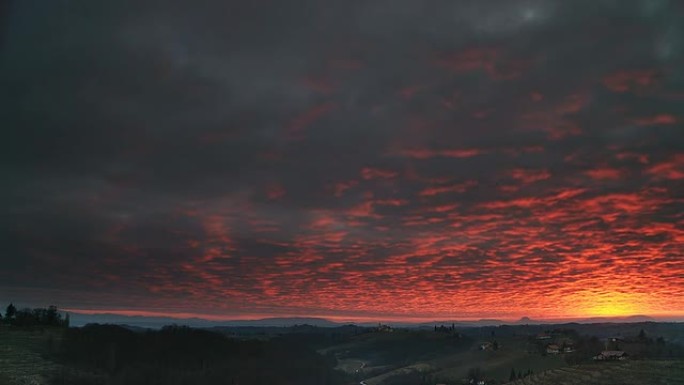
[36, 317]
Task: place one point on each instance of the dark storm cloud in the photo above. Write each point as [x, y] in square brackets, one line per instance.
[248, 154]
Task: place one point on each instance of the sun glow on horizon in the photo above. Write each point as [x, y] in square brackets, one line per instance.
[612, 304]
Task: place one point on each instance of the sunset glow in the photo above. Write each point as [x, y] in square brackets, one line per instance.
[363, 160]
[616, 304]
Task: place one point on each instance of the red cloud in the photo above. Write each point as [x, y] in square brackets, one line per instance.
[275, 191]
[444, 153]
[641, 158]
[443, 208]
[391, 202]
[671, 169]
[341, 187]
[604, 173]
[555, 120]
[303, 121]
[457, 188]
[369, 173]
[530, 176]
[661, 119]
[486, 59]
[470, 60]
[624, 81]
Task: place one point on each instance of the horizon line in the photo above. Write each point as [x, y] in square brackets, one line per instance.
[364, 319]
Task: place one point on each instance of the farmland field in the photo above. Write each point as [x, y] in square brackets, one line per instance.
[612, 373]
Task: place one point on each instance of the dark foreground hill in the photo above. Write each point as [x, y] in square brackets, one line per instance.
[24, 355]
[181, 355]
[113, 355]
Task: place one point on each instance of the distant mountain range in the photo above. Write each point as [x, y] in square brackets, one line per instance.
[79, 319]
[529, 321]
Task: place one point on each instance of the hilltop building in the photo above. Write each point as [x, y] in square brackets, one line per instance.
[553, 349]
[611, 355]
[543, 336]
[384, 328]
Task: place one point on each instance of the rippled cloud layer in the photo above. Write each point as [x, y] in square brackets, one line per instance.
[359, 159]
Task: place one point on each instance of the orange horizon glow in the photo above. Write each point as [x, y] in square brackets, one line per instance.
[378, 318]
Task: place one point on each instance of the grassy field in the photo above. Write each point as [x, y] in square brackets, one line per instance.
[375, 357]
[444, 359]
[612, 373]
[22, 356]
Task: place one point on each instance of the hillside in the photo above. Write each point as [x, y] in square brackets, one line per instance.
[22, 355]
[611, 373]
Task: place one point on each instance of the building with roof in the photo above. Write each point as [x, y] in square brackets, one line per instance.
[611, 355]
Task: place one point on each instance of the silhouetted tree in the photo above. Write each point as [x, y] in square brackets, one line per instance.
[642, 334]
[28, 317]
[51, 315]
[10, 312]
[25, 317]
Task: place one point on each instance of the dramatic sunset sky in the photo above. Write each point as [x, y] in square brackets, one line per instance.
[349, 159]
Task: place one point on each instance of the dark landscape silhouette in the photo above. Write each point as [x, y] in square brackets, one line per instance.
[421, 354]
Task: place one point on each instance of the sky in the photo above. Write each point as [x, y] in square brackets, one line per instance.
[375, 159]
